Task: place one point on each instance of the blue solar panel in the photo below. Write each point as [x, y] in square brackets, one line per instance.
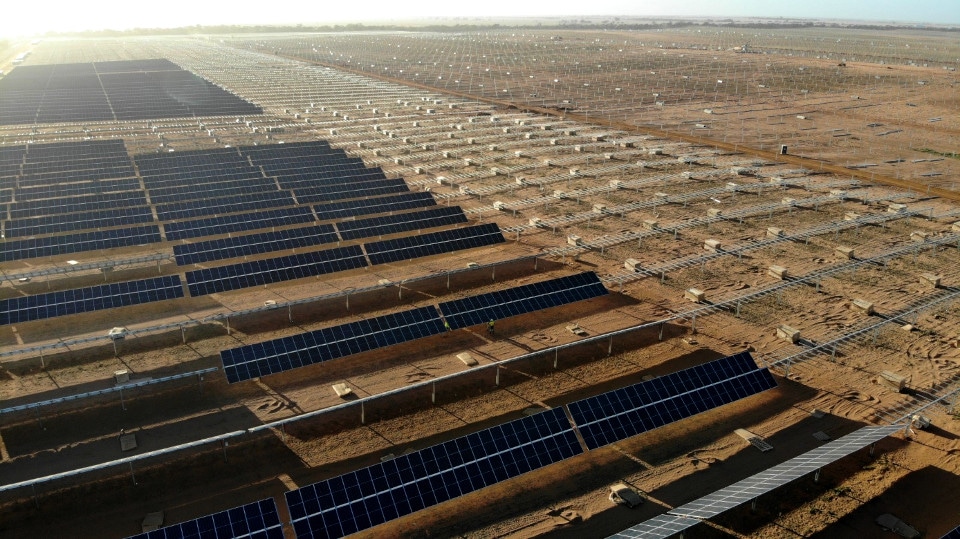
[272, 270]
[75, 243]
[93, 298]
[222, 187]
[212, 206]
[403, 222]
[310, 195]
[278, 355]
[257, 520]
[35, 208]
[952, 534]
[370, 206]
[409, 247]
[628, 411]
[54, 224]
[480, 309]
[370, 496]
[212, 226]
[194, 253]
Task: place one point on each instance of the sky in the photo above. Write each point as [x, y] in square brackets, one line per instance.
[26, 17]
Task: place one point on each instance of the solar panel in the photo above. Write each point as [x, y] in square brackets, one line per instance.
[310, 195]
[631, 410]
[212, 206]
[272, 270]
[659, 527]
[266, 242]
[369, 206]
[241, 222]
[93, 298]
[54, 224]
[75, 204]
[740, 492]
[105, 91]
[501, 304]
[257, 520]
[287, 353]
[404, 222]
[75, 243]
[446, 241]
[386, 491]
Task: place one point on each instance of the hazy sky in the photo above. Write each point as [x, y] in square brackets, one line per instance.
[26, 17]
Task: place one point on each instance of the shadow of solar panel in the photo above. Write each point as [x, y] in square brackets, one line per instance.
[194, 253]
[93, 298]
[404, 222]
[501, 304]
[370, 206]
[257, 520]
[272, 270]
[237, 223]
[631, 410]
[75, 243]
[406, 248]
[386, 491]
[278, 355]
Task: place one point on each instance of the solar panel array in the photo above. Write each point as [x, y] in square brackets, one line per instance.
[519, 300]
[367, 206]
[308, 236]
[287, 353]
[362, 499]
[628, 411]
[107, 91]
[406, 248]
[678, 519]
[93, 298]
[272, 270]
[257, 520]
[74, 243]
[241, 222]
[403, 222]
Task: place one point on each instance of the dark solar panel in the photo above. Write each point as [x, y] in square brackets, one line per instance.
[278, 355]
[952, 534]
[194, 253]
[93, 298]
[111, 91]
[36, 208]
[230, 204]
[521, 299]
[55, 224]
[403, 222]
[257, 520]
[311, 195]
[242, 222]
[628, 411]
[75, 243]
[409, 247]
[370, 206]
[386, 491]
[272, 270]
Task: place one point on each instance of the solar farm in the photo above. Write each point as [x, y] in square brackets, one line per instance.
[459, 284]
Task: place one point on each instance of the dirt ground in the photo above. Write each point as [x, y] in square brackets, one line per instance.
[472, 154]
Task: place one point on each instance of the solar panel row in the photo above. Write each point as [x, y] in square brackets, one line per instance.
[403, 222]
[241, 222]
[522, 299]
[310, 195]
[365, 498]
[75, 243]
[78, 189]
[54, 224]
[406, 248]
[631, 410]
[35, 208]
[93, 298]
[278, 355]
[257, 520]
[369, 206]
[230, 204]
[223, 188]
[194, 253]
[272, 270]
